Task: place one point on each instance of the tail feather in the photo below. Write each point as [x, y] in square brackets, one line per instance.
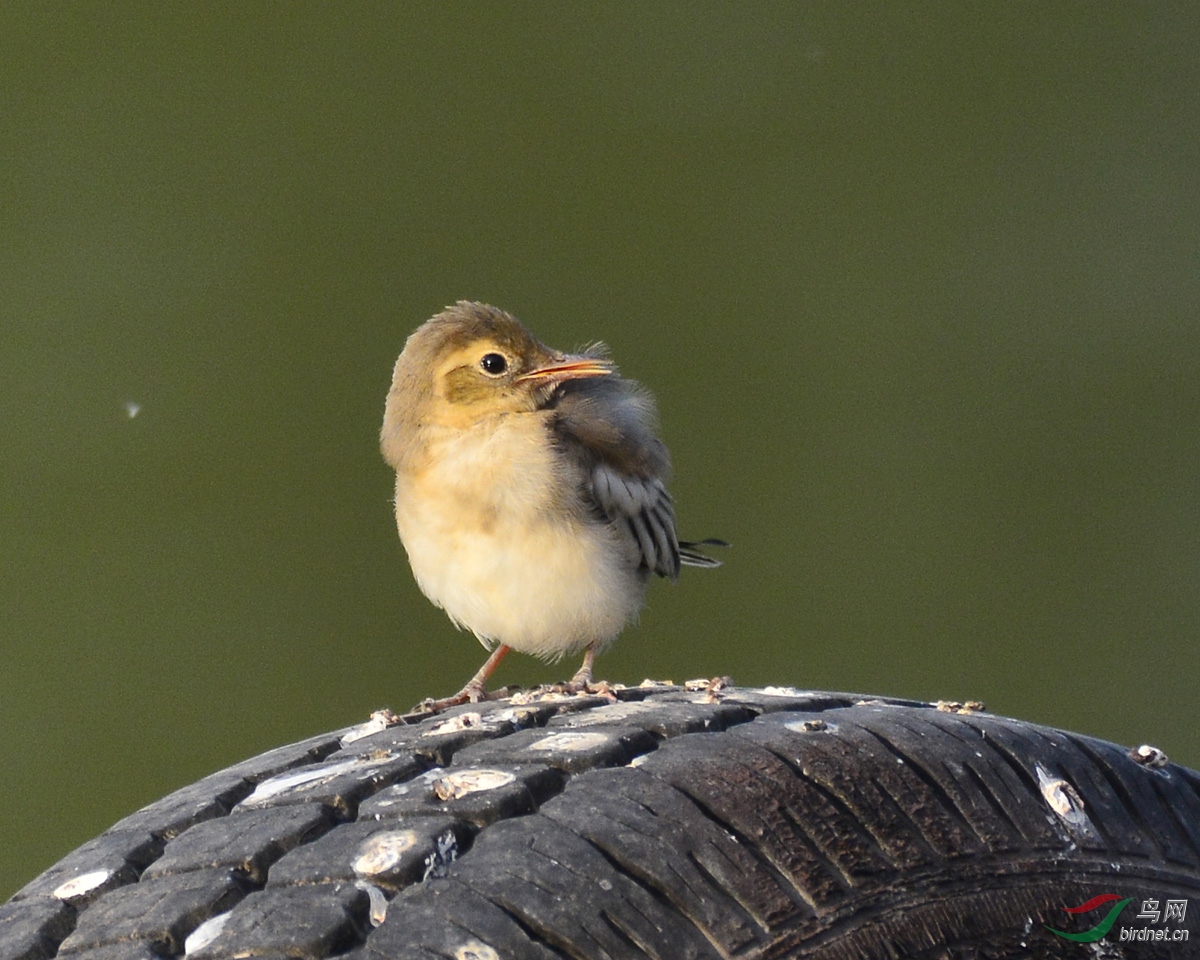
[691, 557]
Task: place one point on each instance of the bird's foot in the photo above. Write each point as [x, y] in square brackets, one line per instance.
[601, 688]
[578, 688]
[581, 684]
[581, 679]
[471, 693]
[474, 691]
[583, 676]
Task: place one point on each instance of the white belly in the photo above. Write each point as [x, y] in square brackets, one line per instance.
[491, 544]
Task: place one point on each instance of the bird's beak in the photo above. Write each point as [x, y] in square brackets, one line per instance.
[568, 368]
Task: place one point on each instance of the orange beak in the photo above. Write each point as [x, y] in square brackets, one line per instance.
[569, 368]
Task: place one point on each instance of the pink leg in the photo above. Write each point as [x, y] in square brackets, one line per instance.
[475, 689]
[583, 676]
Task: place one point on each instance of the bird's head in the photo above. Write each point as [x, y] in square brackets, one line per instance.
[470, 362]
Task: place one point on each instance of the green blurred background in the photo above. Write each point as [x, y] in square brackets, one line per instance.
[916, 290]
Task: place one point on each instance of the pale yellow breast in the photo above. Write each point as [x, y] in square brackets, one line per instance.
[495, 537]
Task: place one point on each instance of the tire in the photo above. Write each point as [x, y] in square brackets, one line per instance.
[671, 823]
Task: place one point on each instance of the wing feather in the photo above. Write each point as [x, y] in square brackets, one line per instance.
[607, 427]
[641, 532]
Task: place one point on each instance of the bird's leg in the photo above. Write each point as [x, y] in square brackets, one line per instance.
[475, 688]
[583, 676]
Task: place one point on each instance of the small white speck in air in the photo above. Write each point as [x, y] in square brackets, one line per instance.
[132, 409]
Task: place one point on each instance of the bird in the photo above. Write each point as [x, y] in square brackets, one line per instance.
[531, 494]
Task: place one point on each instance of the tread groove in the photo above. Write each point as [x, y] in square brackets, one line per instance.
[986, 792]
[1121, 792]
[648, 882]
[815, 845]
[837, 801]
[527, 929]
[1181, 827]
[715, 881]
[780, 876]
[848, 882]
[651, 889]
[1014, 763]
[619, 931]
[931, 781]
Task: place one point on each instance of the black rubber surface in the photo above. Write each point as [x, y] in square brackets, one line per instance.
[670, 823]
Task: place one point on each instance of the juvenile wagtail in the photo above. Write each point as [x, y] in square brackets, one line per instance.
[530, 488]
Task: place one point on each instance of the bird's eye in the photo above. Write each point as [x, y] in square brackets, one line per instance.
[493, 364]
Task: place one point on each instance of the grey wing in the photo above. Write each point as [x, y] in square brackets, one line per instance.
[642, 506]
